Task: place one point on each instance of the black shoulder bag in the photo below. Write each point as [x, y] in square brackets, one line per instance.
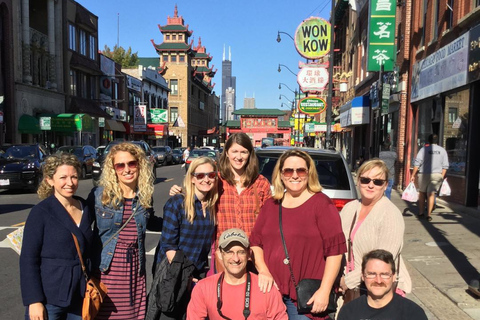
[306, 287]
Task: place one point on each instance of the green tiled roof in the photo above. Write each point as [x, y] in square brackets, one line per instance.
[149, 62]
[259, 112]
[284, 124]
[174, 27]
[233, 124]
[203, 69]
[172, 46]
[201, 55]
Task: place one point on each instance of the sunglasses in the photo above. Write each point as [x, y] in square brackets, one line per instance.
[301, 172]
[201, 175]
[121, 166]
[377, 182]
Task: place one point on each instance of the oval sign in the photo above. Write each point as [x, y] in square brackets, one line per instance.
[312, 38]
[312, 105]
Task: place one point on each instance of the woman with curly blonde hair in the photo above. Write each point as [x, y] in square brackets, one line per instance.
[51, 278]
[188, 230]
[124, 210]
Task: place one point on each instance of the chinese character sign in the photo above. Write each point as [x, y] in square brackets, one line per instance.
[312, 77]
[381, 39]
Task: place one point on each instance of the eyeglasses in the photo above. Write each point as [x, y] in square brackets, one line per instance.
[301, 172]
[230, 253]
[377, 182]
[373, 275]
[121, 166]
[201, 175]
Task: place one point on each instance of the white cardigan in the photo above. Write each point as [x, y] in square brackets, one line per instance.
[382, 228]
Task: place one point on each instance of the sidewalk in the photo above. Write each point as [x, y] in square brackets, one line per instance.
[442, 256]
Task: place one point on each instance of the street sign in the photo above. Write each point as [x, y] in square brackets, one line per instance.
[159, 115]
[381, 38]
[309, 127]
[312, 105]
[312, 38]
[101, 122]
[385, 98]
[45, 123]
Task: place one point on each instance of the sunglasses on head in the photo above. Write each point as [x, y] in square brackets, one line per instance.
[301, 172]
[377, 182]
[121, 166]
[202, 175]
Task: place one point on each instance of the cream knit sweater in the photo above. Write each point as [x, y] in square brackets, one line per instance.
[383, 228]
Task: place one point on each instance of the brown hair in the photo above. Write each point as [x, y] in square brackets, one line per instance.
[251, 167]
[49, 168]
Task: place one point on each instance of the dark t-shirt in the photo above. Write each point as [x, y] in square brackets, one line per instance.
[398, 309]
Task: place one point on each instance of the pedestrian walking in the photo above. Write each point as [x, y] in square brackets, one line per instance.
[372, 222]
[186, 154]
[431, 164]
[51, 277]
[390, 158]
[235, 292]
[187, 235]
[124, 210]
[381, 302]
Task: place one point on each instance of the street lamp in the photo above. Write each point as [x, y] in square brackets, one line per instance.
[280, 69]
[280, 39]
[282, 95]
[280, 87]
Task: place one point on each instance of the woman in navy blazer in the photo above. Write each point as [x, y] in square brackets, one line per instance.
[51, 277]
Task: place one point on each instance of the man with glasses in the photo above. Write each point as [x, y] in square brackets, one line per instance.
[234, 293]
[381, 301]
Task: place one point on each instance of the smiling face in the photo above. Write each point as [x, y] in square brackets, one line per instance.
[371, 192]
[205, 184]
[234, 258]
[64, 181]
[378, 288]
[238, 157]
[295, 185]
[128, 175]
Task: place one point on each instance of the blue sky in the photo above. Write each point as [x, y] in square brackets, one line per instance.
[248, 27]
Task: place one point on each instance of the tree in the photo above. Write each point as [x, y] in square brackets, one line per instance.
[119, 55]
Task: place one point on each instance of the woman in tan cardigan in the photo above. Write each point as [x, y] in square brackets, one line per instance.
[373, 222]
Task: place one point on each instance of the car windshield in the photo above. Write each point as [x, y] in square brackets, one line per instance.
[177, 152]
[159, 149]
[76, 151]
[202, 153]
[331, 170]
[20, 152]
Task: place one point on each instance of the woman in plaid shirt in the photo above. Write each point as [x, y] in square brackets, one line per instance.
[242, 190]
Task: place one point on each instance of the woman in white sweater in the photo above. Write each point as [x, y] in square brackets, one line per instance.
[373, 222]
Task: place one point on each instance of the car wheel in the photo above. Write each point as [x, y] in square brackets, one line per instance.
[83, 173]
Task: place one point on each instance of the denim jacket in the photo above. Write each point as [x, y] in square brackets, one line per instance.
[109, 221]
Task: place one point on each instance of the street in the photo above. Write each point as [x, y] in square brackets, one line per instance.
[14, 209]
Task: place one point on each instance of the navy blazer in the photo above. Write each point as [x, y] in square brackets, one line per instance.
[50, 270]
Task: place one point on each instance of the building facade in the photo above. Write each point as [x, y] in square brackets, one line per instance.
[193, 111]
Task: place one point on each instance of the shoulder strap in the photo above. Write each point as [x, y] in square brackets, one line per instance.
[84, 270]
[350, 242]
[287, 259]
[121, 228]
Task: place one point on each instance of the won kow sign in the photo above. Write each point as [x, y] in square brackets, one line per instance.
[312, 38]
[312, 105]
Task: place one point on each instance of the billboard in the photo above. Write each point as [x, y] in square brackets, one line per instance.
[140, 118]
[312, 38]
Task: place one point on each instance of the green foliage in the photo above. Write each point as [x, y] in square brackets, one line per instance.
[119, 55]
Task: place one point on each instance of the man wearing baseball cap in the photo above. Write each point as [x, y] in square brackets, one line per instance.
[234, 293]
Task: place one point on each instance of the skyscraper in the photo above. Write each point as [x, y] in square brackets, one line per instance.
[227, 82]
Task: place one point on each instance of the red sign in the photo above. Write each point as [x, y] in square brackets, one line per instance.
[259, 123]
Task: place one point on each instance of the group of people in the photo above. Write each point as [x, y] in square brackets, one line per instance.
[262, 240]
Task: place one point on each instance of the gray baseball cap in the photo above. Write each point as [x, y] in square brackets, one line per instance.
[233, 235]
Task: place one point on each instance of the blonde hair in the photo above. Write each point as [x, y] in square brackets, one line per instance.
[373, 163]
[313, 185]
[211, 197]
[49, 168]
[112, 193]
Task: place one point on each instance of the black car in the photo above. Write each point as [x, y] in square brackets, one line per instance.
[98, 164]
[163, 155]
[21, 166]
[177, 156]
[85, 154]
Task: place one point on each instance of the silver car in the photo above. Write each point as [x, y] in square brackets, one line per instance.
[333, 171]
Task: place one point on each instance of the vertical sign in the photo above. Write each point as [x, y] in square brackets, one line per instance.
[381, 35]
[140, 118]
[385, 98]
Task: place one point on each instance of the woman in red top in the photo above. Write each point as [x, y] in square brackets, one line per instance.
[312, 230]
[242, 190]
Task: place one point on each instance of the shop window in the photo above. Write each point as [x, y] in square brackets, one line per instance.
[455, 131]
[174, 87]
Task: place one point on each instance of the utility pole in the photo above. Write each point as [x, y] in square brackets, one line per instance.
[330, 78]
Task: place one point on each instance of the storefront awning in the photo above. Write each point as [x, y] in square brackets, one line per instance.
[114, 125]
[355, 112]
[70, 122]
[29, 124]
[157, 130]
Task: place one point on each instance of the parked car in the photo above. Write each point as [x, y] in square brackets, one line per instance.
[163, 155]
[333, 171]
[177, 156]
[21, 166]
[85, 154]
[98, 164]
[196, 153]
[100, 150]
